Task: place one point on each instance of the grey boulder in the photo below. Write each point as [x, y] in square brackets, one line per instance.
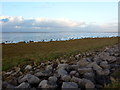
[69, 85]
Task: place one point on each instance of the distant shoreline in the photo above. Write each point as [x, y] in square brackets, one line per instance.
[29, 41]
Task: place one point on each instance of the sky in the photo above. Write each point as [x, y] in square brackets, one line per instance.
[59, 16]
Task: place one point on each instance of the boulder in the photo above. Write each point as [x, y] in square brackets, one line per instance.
[89, 85]
[85, 83]
[23, 85]
[66, 78]
[95, 66]
[49, 67]
[63, 61]
[104, 65]
[69, 85]
[73, 73]
[45, 73]
[75, 79]
[28, 67]
[89, 76]
[64, 66]
[82, 63]
[46, 84]
[43, 84]
[84, 70]
[103, 72]
[74, 67]
[30, 78]
[62, 72]
[52, 79]
[7, 85]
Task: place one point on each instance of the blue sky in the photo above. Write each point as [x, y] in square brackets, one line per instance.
[98, 13]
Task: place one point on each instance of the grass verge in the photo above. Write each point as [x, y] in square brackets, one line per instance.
[16, 54]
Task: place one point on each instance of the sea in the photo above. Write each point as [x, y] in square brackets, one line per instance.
[15, 37]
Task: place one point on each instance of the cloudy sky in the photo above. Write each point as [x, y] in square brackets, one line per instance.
[59, 16]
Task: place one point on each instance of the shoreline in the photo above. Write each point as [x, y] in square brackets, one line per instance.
[52, 40]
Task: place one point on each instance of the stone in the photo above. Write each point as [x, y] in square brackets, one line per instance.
[103, 72]
[82, 63]
[73, 67]
[89, 85]
[30, 78]
[62, 72]
[111, 59]
[73, 73]
[28, 67]
[52, 79]
[95, 66]
[23, 85]
[75, 79]
[64, 66]
[45, 73]
[84, 70]
[106, 56]
[49, 67]
[7, 85]
[66, 78]
[63, 61]
[8, 73]
[46, 84]
[69, 85]
[104, 65]
[102, 80]
[86, 83]
[89, 76]
[78, 56]
[77, 74]
[43, 84]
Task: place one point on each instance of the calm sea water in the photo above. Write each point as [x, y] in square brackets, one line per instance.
[47, 36]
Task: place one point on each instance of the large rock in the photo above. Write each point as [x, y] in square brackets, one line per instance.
[89, 76]
[103, 72]
[7, 85]
[45, 73]
[75, 79]
[30, 78]
[104, 65]
[43, 84]
[52, 79]
[49, 67]
[66, 78]
[28, 67]
[46, 84]
[73, 72]
[73, 67]
[86, 83]
[89, 85]
[106, 56]
[69, 85]
[62, 72]
[84, 70]
[102, 80]
[82, 63]
[64, 66]
[23, 85]
[95, 66]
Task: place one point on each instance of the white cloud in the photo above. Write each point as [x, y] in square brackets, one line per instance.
[19, 24]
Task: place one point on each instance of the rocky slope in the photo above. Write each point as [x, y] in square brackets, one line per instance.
[89, 70]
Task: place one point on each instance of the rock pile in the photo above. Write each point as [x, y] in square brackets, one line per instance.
[92, 71]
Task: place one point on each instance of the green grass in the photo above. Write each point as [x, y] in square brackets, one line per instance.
[16, 54]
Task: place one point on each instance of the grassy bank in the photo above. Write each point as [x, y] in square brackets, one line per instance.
[19, 53]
